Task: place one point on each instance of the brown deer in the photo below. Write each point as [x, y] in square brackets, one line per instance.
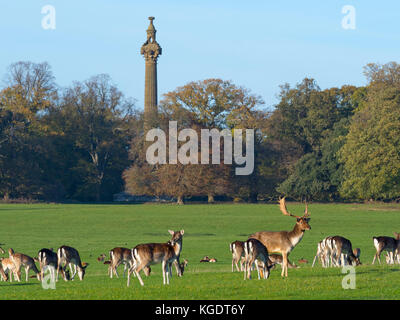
[283, 242]
[183, 266]
[344, 251]
[256, 252]
[119, 255]
[153, 253]
[388, 244]
[22, 260]
[70, 256]
[237, 250]
[278, 259]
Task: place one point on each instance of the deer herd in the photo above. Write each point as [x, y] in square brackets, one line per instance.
[261, 251]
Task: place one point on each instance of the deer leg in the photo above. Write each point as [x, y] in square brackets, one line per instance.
[258, 269]
[315, 258]
[284, 264]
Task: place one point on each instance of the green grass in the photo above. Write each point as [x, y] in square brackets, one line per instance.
[95, 229]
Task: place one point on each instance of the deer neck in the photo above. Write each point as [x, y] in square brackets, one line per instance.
[177, 246]
[296, 235]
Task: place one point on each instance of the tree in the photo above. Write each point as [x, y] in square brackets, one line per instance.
[371, 152]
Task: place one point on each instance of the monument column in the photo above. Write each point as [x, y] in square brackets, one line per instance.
[150, 51]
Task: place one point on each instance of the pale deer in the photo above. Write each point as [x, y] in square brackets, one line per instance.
[387, 244]
[283, 242]
[22, 260]
[70, 256]
[344, 252]
[48, 259]
[153, 253]
[9, 268]
[256, 252]
[237, 250]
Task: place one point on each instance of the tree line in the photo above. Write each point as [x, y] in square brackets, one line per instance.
[86, 142]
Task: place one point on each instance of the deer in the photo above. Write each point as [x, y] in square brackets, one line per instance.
[183, 265]
[22, 260]
[70, 256]
[256, 252]
[48, 259]
[388, 244]
[344, 251]
[153, 253]
[237, 250]
[8, 267]
[278, 259]
[283, 242]
[120, 255]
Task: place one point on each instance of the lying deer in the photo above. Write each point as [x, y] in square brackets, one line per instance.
[22, 260]
[237, 250]
[70, 256]
[153, 253]
[283, 242]
[278, 259]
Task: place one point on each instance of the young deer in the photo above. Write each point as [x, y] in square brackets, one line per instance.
[70, 256]
[237, 250]
[278, 259]
[48, 259]
[256, 252]
[283, 242]
[152, 253]
[119, 255]
[183, 265]
[388, 244]
[22, 260]
[344, 252]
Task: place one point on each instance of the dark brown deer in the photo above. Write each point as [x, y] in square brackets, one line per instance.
[344, 251]
[388, 244]
[70, 256]
[256, 252]
[283, 242]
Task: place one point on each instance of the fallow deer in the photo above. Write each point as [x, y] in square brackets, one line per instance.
[256, 252]
[48, 259]
[22, 260]
[278, 259]
[8, 268]
[283, 242]
[344, 251]
[388, 244]
[237, 250]
[153, 253]
[70, 256]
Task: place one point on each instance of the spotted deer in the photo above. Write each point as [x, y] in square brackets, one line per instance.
[284, 242]
[9, 269]
[256, 252]
[22, 260]
[237, 250]
[70, 256]
[153, 253]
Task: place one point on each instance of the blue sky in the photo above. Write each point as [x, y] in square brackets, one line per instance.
[257, 44]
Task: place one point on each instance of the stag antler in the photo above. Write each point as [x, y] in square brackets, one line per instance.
[306, 213]
[282, 207]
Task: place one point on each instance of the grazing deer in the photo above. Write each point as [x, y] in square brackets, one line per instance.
[119, 255]
[152, 253]
[388, 244]
[183, 266]
[237, 250]
[48, 259]
[344, 251]
[283, 242]
[22, 260]
[256, 252]
[70, 256]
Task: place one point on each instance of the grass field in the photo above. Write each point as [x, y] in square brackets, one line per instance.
[95, 229]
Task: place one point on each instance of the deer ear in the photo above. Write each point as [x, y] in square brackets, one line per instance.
[182, 232]
[171, 232]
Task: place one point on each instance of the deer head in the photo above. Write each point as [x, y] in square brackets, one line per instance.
[302, 222]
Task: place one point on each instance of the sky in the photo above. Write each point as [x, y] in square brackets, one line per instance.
[259, 45]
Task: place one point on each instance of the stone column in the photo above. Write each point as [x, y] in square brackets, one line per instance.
[150, 51]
